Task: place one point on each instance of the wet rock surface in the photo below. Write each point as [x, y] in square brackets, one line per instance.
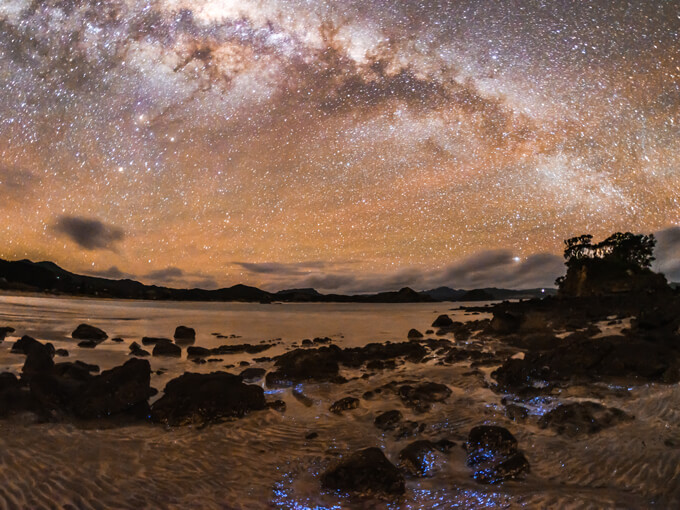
[206, 398]
[88, 332]
[365, 472]
[582, 418]
[423, 457]
[184, 335]
[389, 420]
[493, 454]
[344, 404]
[167, 348]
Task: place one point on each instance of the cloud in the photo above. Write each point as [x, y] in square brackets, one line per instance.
[282, 269]
[667, 253]
[13, 179]
[166, 274]
[112, 273]
[89, 233]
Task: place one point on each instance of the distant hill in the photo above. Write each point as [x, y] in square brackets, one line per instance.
[487, 294]
[48, 277]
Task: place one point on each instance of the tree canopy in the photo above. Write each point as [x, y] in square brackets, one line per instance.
[628, 248]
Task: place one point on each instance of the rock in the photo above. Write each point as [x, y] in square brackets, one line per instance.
[88, 344]
[513, 467]
[582, 418]
[366, 472]
[487, 441]
[77, 370]
[4, 331]
[420, 397]
[167, 349]
[206, 398]
[87, 332]
[302, 365]
[198, 352]
[311, 435]
[516, 413]
[419, 458]
[504, 323]
[409, 428]
[184, 335]
[414, 333]
[492, 452]
[136, 350]
[38, 360]
[61, 352]
[152, 340]
[8, 381]
[277, 405]
[442, 321]
[429, 331]
[307, 342]
[121, 390]
[252, 374]
[117, 339]
[344, 404]
[389, 420]
[22, 346]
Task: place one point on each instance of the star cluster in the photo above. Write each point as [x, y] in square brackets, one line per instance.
[346, 144]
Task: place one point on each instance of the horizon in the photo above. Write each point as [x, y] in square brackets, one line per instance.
[350, 147]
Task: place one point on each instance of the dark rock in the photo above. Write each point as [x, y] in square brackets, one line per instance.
[429, 331]
[4, 331]
[344, 404]
[378, 364]
[136, 350]
[206, 398]
[421, 396]
[409, 428]
[492, 452]
[117, 339]
[167, 349]
[307, 341]
[504, 323]
[516, 413]
[87, 332]
[311, 435]
[414, 333]
[322, 340]
[419, 458]
[198, 352]
[582, 418]
[365, 472]
[243, 364]
[23, 345]
[88, 344]
[61, 352]
[8, 381]
[121, 390]
[38, 360]
[152, 340]
[277, 405]
[302, 365]
[487, 441]
[252, 374]
[442, 321]
[389, 420]
[185, 335]
[514, 467]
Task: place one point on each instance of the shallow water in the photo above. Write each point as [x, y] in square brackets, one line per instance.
[264, 460]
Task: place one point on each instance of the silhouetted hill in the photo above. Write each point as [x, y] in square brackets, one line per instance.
[24, 275]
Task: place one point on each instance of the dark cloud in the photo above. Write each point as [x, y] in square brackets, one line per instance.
[112, 273]
[166, 274]
[281, 269]
[14, 179]
[89, 233]
[667, 253]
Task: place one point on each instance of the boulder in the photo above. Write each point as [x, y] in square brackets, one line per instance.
[420, 397]
[205, 398]
[198, 352]
[153, 340]
[136, 350]
[421, 458]
[492, 452]
[302, 365]
[38, 360]
[442, 321]
[414, 333]
[120, 390]
[88, 344]
[87, 332]
[389, 420]
[252, 374]
[344, 404]
[4, 331]
[23, 345]
[582, 418]
[185, 335]
[167, 349]
[365, 472]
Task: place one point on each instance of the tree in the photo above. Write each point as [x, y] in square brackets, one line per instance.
[624, 249]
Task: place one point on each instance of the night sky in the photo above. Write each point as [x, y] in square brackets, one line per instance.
[346, 145]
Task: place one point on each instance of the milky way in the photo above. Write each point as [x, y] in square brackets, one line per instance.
[347, 145]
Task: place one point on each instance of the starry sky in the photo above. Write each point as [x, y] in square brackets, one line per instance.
[347, 145]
